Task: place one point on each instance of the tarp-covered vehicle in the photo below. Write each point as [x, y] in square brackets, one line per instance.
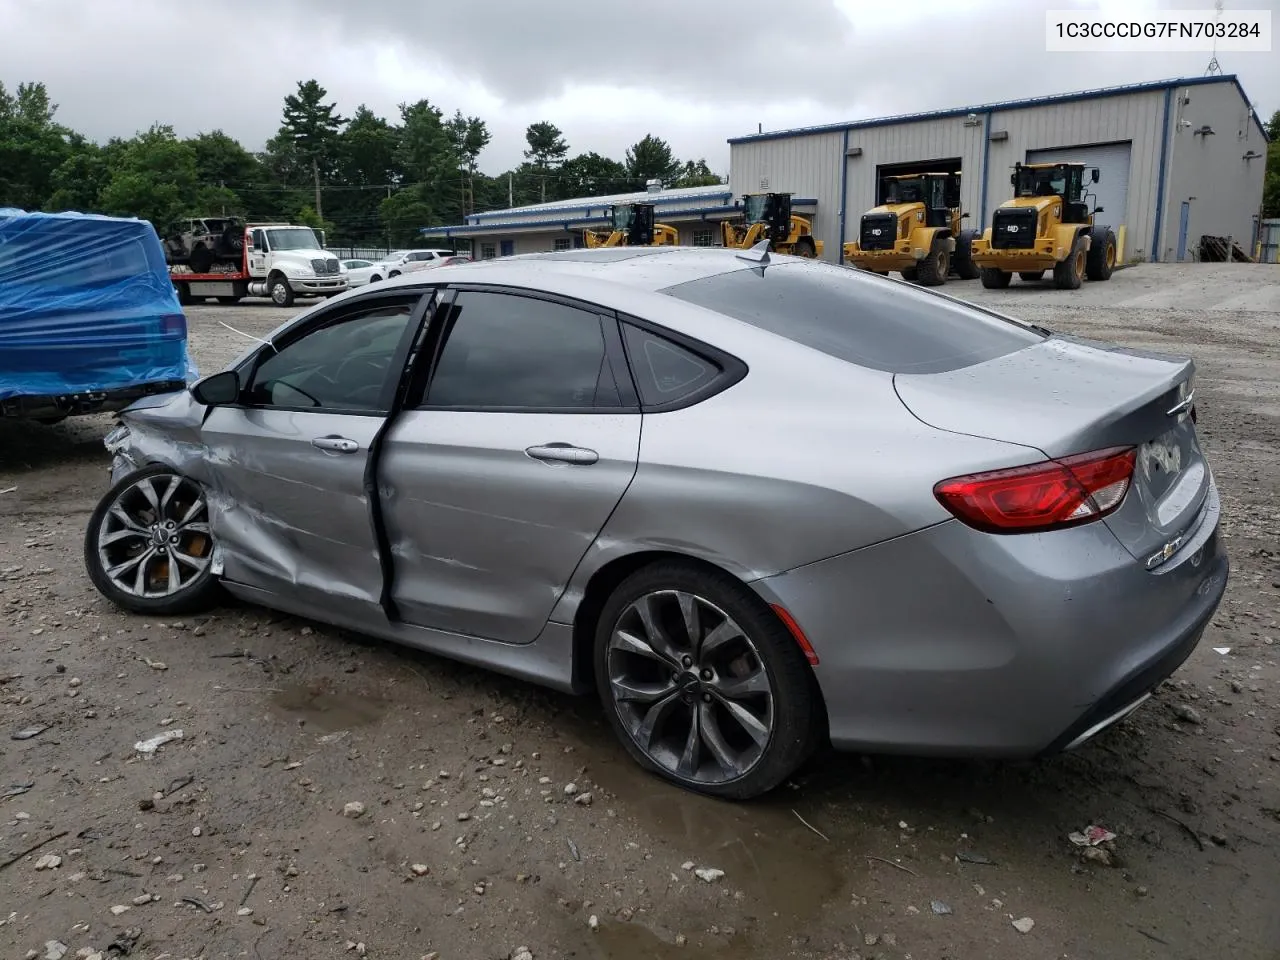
[89, 319]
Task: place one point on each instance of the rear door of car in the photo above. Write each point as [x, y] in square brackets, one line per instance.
[290, 507]
[501, 471]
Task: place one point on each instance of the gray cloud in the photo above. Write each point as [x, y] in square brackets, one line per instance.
[606, 72]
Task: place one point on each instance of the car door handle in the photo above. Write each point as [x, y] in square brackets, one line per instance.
[336, 444]
[562, 453]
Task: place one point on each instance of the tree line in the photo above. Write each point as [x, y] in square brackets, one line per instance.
[367, 180]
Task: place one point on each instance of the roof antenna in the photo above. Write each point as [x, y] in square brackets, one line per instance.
[249, 336]
[1214, 68]
[757, 254]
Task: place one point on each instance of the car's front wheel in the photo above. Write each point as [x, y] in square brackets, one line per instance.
[703, 683]
[148, 547]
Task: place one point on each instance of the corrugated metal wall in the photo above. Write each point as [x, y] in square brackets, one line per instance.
[912, 143]
[1222, 190]
[1268, 249]
[806, 166]
[1137, 118]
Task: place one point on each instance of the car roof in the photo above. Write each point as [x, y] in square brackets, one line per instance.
[644, 268]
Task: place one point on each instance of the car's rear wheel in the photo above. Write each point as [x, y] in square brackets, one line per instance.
[703, 683]
[148, 547]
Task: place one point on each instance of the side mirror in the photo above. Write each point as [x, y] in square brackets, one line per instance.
[218, 389]
[964, 216]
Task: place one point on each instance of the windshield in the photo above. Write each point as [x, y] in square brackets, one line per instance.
[293, 238]
[753, 208]
[904, 191]
[1043, 182]
[622, 217]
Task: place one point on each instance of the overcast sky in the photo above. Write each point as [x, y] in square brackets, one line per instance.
[605, 71]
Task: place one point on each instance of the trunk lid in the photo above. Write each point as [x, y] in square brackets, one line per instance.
[1067, 395]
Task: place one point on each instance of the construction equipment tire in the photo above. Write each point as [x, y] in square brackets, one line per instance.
[994, 279]
[962, 259]
[1069, 274]
[1102, 254]
[932, 270]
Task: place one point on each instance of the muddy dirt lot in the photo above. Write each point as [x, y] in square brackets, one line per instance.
[497, 816]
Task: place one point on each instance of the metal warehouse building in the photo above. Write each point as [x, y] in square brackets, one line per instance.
[1178, 159]
[695, 212]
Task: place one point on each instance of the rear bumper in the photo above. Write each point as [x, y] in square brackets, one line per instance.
[954, 642]
[48, 406]
[1014, 261]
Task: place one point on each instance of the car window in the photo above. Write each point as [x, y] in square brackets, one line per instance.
[343, 365]
[863, 320]
[511, 351]
[665, 372]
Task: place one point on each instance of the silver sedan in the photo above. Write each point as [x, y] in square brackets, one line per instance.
[756, 503]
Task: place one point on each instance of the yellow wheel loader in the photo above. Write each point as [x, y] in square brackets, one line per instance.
[768, 216]
[1047, 226]
[915, 230]
[633, 226]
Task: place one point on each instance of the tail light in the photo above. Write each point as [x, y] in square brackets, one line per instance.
[173, 325]
[1042, 496]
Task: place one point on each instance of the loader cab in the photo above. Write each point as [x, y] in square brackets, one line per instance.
[939, 193]
[771, 209]
[635, 222]
[1064, 180]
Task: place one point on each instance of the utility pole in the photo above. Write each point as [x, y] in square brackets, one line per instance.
[315, 172]
[511, 196]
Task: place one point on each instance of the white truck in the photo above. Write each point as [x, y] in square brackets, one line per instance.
[277, 260]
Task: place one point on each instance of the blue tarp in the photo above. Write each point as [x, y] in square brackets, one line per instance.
[86, 306]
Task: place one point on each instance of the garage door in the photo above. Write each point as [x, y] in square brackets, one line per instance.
[1112, 188]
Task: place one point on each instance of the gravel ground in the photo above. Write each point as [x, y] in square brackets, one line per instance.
[494, 815]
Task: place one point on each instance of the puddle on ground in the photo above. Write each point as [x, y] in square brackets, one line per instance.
[633, 941]
[325, 709]
[762, 847]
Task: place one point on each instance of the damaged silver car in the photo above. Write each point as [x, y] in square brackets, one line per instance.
[755, 502]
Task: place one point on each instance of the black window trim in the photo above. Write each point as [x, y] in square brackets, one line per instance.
[420, 300]
[732, 368]
[614, 352]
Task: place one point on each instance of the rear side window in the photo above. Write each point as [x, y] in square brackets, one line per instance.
[859, 319]
[665, 372]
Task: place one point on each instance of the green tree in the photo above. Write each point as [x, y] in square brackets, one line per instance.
[306, 145]
[431, 191]
[696, 173]
[547, 150]
[652, 159]
[32, 146]
[591, 175]
[154, 179]
[367, 166]
[1271, 181]
[467, 136]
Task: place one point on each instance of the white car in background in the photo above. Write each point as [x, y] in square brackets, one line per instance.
[409, 261]
[358, 272]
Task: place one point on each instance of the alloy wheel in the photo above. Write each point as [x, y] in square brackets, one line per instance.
[690, 687]
[154, 540]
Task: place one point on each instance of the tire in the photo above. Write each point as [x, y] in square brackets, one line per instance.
[781, 701]
[1101, 261]
[393, 274]
[1069, 274]
[280, 292]
[201, 259]
[804, 247]
[188, 538]
[375, 278]
[933, 269]
[1031, 276]
[995, 279]
[909, 274]
[229, 301]
[962, 260]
